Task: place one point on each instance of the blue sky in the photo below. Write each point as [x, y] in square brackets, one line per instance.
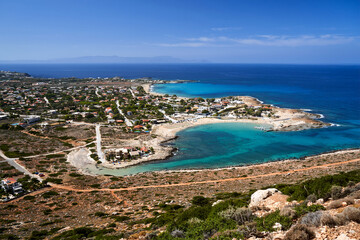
[243, 31]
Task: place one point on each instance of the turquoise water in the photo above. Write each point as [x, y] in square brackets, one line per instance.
[233, 144]
[329, 90]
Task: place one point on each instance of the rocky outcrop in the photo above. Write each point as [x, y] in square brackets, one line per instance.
[259, 196]
[267, 201]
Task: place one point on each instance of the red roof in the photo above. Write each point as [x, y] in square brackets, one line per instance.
[144, 149]
[138, 127]
[9, 181]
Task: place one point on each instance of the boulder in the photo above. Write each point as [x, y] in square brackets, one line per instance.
[260, 195]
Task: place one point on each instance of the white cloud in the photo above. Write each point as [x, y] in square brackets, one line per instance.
[186, 44]
[266, 40]
[221, 29]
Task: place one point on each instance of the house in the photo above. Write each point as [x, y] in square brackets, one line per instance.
[108, 110]
[32, 119]
[137, 127]
[145, 150]
[135, 153]
[11, 185]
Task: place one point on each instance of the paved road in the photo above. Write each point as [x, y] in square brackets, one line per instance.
[168, 117]
[97, 93]
[20, 168]
[98, 144]
[132, 93]
[127, 121]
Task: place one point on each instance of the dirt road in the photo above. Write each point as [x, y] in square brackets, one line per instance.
[205, 182]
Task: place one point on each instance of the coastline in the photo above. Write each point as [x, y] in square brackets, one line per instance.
[288, 120]
[85, 170]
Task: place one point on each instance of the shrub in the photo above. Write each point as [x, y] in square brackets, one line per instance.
[39, 234]
[339, 203]
[55, 156]
[312, 219]
[288, 212]
[332, 221]
[335, 192]
[75, 175]
[303, 209]
[54, 180]
[299, 232]
[49, 194]
[177, 233]
[355, 195]
[351, 214]
[266, 223]
[240, 215]
[29, 197]
[319, 186]
[311, 198]
[100, 214]
[200, 201]
[120, 218]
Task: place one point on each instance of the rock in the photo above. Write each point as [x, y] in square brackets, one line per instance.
[278, 236]
[217, 202]
[277, 226]
[343, 236]
[344, 204]
[269, 200]
[258, 196]
[320, 201]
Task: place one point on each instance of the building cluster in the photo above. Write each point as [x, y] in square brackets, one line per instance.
[11, 188]
[127, 153]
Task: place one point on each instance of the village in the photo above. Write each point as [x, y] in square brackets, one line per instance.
[37, 105]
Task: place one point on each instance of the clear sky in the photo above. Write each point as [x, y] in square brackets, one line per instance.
[244, 31]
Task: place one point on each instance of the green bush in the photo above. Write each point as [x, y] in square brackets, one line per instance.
[29, 197]
[100, 214]
[321, 187]
[55, 156]
[267, 222]
[54, 180]
[302, 209]
[49, 194]
[120, 218]
[200, 201]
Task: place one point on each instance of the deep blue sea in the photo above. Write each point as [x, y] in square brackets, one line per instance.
[331, 90]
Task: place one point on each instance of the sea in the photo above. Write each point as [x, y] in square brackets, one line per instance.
[330, 90]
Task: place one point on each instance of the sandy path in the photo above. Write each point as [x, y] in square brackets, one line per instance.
[208, 181]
